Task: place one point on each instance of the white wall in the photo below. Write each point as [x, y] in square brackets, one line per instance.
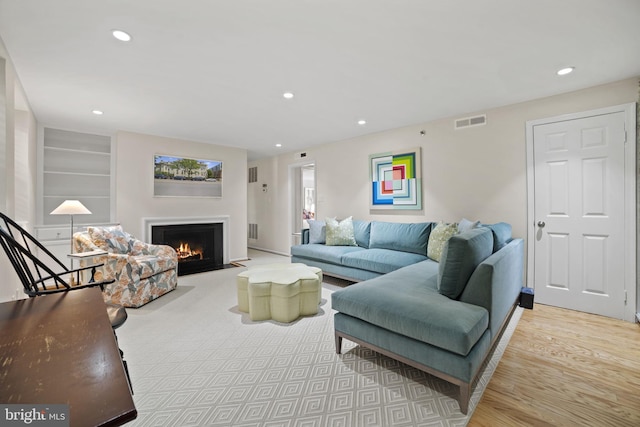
[25, 152]
[134, 195]
[477, 172]
[265, 208]
[17, 163]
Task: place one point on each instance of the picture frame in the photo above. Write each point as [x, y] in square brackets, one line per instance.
[396, 179]
[175, 176]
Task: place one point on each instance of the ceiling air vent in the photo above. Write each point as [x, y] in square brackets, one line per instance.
[466, 122]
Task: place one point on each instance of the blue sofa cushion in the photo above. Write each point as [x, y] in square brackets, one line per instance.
[362, 231]
[317, 231]
[380, 260]
[331, 254]
[407, 302]
[501, 234]
[462, 253]
[400, 237]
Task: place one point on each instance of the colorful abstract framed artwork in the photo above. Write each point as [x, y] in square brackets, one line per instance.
[396, 179]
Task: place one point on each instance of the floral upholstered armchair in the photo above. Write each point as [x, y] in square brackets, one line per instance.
[142, 271]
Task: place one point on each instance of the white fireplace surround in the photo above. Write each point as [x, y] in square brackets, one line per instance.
[147, 223]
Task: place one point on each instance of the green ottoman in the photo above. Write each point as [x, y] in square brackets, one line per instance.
[282, 292]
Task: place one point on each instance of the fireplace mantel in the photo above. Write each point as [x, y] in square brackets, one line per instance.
[147, 223]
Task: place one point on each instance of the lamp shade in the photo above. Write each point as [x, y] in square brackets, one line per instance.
[70, 207]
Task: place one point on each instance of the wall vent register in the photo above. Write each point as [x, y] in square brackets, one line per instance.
[466, 122]
[253, 231]
[253, 174]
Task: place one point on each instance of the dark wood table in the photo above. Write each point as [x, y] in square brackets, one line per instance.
[60, 349]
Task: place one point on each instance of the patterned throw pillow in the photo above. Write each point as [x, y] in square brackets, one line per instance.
[340, 233]
[111, 239]
[438, 238]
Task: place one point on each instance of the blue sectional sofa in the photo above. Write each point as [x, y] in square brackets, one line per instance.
[382, 247]
[441, 317]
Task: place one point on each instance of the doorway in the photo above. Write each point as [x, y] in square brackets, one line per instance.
[582, 211]
[303, 198]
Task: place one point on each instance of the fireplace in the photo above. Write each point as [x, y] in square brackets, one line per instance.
[199, 246]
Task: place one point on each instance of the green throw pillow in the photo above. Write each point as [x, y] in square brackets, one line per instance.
[438, 238]
[340, 233]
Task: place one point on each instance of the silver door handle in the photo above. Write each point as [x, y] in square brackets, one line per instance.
[541, 224]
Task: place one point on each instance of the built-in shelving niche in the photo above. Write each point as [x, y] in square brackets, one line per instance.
[76, 166]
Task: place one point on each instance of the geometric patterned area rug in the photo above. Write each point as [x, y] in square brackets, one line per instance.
[195, 360]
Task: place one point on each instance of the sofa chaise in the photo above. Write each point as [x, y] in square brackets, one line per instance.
[441, 316]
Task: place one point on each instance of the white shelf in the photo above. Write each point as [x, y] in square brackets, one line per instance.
[75, 150]
[76, 173]
[83, 142]
[67, 196]
[75, 165]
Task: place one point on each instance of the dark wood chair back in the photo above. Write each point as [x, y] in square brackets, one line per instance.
[37, 276]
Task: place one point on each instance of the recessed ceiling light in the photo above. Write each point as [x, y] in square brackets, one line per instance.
[565, 71]
[278, 145]
[362, 122]
[121, 35]
[287, 95]
[97, 112]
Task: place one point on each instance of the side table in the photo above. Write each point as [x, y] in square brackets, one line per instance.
[87, 255]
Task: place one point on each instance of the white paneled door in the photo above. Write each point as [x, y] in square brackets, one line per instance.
[579, 213]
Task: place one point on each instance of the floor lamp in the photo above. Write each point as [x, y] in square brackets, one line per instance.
[71, 208]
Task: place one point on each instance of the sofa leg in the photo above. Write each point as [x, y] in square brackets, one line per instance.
[338, 344]
[465, 396]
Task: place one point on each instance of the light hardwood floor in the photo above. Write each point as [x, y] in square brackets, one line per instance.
[565, 368]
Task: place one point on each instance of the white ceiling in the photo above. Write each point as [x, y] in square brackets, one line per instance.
[215, 70]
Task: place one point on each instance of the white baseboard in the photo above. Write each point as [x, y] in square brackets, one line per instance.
[269, 250]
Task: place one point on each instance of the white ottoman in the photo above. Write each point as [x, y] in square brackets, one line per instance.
[281, 292]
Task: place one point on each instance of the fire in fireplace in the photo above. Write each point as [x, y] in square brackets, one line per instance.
[199, 246]
[185, 253]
